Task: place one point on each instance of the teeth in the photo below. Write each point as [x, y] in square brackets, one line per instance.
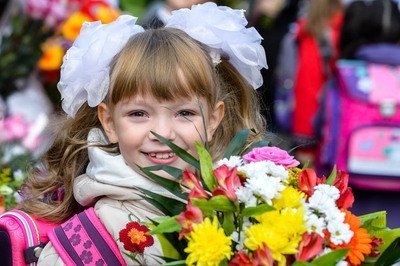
[161, 155]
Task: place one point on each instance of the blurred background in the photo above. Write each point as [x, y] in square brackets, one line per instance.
[329, 95]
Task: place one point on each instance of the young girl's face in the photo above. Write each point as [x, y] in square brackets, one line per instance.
[181, 121]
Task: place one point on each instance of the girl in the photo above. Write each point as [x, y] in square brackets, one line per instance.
[119, 83]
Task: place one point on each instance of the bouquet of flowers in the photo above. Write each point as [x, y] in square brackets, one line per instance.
[256, 207]
[21, 144]
[37, 35]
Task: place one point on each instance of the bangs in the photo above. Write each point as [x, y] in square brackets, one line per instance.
[164, 63]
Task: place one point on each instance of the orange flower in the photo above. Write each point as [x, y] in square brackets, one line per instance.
[72, 26]
[106, 14]
[135, 238]
[52, 58]
[360, 244]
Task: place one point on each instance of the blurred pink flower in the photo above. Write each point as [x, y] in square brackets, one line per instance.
[13, 128]
[274, 154]
[53, 12]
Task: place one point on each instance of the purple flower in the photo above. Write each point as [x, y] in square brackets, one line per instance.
[274, 154]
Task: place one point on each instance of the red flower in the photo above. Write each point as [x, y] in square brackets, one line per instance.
[262, 256]
[190, 180]
[310, 246]
[308, 180]
[228, 182]
[192, 215]
[135, 238]
[346, 198]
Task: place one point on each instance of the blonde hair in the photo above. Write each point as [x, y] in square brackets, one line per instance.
[152, 63]
[319, 13]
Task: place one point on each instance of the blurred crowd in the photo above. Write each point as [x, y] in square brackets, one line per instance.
[305, 40]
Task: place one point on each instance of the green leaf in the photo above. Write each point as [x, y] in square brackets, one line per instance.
[237, 144]
[228, 223]
[173, 171]
[301, 263]
[331, 258]
[167, 226]
[217, 203]
[373, 221]
[331, 177]
[170, 185]
[167, 205]
[259, 144]
[206, 167]
[257, 210]
[184, 155]
[175, 263]
[391, 255]
[388, 236]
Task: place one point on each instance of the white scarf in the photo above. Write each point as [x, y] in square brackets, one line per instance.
[109, 175]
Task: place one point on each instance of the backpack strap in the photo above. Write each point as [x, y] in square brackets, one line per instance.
[24, 236]
[83, 239]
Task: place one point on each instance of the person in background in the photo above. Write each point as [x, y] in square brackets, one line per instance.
[272, 18]
[159, 12]
[318, 38]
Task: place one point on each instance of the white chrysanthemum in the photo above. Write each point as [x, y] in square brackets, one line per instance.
[321, 201]
[315, 224]
[246, 196]
[231, 162]
[331, 191]
[267, 187]
[262, 168]
[340, 233]
[334, 215]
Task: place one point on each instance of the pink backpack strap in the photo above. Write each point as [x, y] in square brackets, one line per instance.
[24, 236]
[84, 240]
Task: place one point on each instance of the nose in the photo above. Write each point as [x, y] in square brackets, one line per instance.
[164, 129]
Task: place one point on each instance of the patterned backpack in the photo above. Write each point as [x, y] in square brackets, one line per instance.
[81, 240]
[22, 237]
[361, 124]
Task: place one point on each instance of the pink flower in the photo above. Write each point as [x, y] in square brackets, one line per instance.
[274, 154]
[228, 182]
[13, 128]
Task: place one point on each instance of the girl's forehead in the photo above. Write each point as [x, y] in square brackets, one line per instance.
[151, 99]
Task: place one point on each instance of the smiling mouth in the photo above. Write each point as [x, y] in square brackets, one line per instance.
[161, 155]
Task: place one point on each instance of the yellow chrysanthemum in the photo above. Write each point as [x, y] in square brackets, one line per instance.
[71, 28]
[52, 58]
[290, 198]
[208, 244]
[106, 14]
[280, 230]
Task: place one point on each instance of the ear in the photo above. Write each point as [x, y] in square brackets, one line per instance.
[215, 119]
[105, 117]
